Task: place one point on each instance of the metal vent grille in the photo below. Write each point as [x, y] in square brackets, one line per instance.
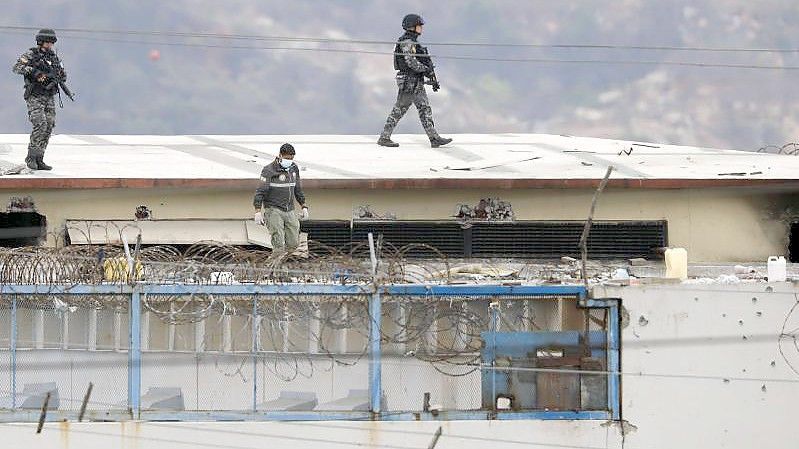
[544, 240]
[445, 236]
[334, 233]
[520, 239]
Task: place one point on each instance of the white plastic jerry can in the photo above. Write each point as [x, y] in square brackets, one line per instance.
[677, 263]
[777, 269]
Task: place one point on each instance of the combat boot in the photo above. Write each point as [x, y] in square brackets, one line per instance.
[438, 141]
[41, 164]
[31, 163]
[387, 142]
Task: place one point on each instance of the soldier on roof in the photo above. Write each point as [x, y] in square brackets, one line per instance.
[42, 71]
[413, 64]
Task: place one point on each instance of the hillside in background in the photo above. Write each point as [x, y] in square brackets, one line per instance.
[216, 89]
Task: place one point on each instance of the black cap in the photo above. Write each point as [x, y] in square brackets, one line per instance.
[287, 149]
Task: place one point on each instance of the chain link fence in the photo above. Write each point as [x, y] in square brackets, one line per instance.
[277, 353]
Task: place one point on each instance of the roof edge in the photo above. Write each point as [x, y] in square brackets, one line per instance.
[8, 183]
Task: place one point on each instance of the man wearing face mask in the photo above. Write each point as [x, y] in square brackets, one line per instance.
[280, 186]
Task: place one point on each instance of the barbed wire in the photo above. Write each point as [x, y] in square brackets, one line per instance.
[791, 149]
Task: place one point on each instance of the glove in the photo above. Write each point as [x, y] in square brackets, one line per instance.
[304, 214]
[259, 218]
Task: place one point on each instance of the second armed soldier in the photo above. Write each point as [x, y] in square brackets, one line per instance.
[413, 64]
[43, 72]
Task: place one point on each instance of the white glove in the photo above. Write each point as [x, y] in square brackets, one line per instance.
[259, 218]
[304, 214]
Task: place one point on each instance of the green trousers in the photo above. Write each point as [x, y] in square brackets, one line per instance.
[284, 227]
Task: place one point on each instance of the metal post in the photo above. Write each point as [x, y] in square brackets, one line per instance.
[375, 367]
[614, 365]
[255, 324]
[14, 351]
[134, 354]
[375, 362]
[493, 309]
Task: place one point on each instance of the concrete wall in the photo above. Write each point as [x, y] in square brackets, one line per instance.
[726, 383]
[711, 223]
[692, 381]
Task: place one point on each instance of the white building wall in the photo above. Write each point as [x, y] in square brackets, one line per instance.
[692, 381]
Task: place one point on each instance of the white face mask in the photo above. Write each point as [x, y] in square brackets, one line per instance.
[286, 163]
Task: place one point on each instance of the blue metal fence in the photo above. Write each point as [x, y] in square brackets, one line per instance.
[608, 337]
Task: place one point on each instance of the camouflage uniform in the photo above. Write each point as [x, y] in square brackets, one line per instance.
[39, 97]
[410, 80]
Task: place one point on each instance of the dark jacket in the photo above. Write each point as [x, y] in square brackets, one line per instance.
[279, 187]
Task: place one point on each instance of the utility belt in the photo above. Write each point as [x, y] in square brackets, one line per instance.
[409, 82]
[34, 89]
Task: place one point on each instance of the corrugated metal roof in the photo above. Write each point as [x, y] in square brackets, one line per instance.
[342, 161]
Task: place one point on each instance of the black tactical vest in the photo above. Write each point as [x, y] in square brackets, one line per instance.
[45, 62]
[399, 60]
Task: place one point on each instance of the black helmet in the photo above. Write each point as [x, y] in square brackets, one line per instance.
[46, 35]
[410, 21]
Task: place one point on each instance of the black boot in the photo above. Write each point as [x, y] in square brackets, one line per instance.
[387, 142]
[41, 164]
[438, 141]
[30, 161]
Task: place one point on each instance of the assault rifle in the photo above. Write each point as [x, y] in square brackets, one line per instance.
[425, 59]
[54, 79]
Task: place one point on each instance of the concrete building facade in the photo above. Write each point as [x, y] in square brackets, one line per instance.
[712, 200]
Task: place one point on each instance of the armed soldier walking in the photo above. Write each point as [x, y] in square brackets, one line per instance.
[413, 64]
[43, 74]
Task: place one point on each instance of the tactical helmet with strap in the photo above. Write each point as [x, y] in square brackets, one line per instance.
[46, 35]
[410, 21]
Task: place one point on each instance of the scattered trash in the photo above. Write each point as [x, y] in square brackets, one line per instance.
[478, 271]
[638, 261]
[642, 321]
[723, 279]
[21, 204]
[143, 213]
[567, 259]
[487, 209]
[365, 212]
[741, 269]
[620, 275]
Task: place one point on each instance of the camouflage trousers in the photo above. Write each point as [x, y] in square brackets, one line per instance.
[41, 113]
[411, 91]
